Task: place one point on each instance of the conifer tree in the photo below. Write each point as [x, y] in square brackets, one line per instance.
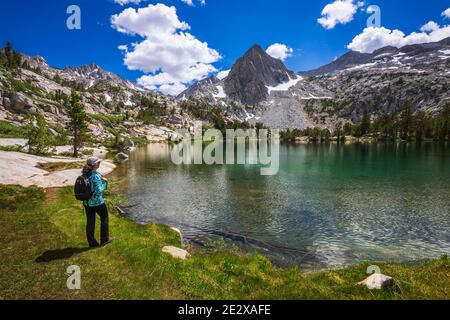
[78, 124]
[39, 140]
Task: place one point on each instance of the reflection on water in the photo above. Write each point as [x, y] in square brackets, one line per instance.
[329, 206]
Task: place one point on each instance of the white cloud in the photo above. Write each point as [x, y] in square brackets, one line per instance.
[171, 57]
[372, 39]
[191, 2]
[279, 51]
[123, 47]
[446, 13]
[172, 89]
[223, 74]
[429, 27]
[149, 21]
[124, 2]
[339, 12]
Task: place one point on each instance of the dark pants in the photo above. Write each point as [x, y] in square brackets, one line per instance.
[91, 212]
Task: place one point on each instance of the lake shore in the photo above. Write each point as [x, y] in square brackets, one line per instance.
[42, 228]
[43, 233]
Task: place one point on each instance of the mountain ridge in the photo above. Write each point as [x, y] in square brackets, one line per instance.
[381, 82]
[352, 58]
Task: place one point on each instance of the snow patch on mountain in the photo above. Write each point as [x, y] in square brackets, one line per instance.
[286, 85]
[221, 94]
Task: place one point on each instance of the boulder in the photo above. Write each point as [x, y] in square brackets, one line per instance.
[22, 104]
[49, 108]
[175, 119]
[129, 124]
[53, 132]
[6, 103]
[176, 252]
[122, 156]
[377, 281]
[176, 137]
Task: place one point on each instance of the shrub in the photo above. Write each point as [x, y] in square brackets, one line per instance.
[8, 130]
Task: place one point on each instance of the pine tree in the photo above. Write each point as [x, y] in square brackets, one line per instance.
[444, 132]
[13, 58]
[16, 60]
[420, 125]
[406, 122]
[8, 53]
[77, 125]
[365, 123]
[348, 129]
[338, 131]
[39, 141]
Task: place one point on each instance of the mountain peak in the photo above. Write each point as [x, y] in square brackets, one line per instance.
[256, 48]
[252, 73]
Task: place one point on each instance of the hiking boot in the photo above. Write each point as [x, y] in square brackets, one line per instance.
[94, 245]
[111, 239]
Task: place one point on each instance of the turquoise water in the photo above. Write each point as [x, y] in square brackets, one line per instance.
[329, 206]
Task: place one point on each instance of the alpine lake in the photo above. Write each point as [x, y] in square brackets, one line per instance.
[330, 205]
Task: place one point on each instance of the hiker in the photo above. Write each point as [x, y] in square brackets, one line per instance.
[95, 204]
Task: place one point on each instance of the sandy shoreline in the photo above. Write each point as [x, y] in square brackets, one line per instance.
[20, 169]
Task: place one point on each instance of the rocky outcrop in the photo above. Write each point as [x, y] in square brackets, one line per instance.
[350, 59]
[22, 104]
[93, 72]
[109, 100]
[25, 171]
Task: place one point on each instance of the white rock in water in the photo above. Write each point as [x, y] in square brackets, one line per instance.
[377, 281]
[176, 252]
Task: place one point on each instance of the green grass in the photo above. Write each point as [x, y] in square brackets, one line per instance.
[8, 130]
[42, 233]
[140, 141]
[60, 166]
[15, 148]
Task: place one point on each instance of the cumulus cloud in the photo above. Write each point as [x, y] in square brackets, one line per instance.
[125, 2]
[446, 13]
[170, 56]
[372, 38]
[279, 51]
[191, 2]
[339, 12]
[149, 21]
[429, 27]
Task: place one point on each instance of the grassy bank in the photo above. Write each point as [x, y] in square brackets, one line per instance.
[42, 233]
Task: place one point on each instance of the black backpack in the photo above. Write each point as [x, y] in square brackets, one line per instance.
[83, 191]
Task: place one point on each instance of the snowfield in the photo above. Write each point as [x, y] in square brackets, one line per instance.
[285, 86]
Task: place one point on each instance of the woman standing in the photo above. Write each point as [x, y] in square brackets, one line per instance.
[96, 204]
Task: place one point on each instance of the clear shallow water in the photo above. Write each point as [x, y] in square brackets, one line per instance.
[329, 206]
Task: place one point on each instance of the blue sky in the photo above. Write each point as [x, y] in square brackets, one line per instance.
[229, 27]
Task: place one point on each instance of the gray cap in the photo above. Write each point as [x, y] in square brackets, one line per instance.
[93, 161]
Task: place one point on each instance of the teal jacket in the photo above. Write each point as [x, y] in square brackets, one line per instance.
[98, 187]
